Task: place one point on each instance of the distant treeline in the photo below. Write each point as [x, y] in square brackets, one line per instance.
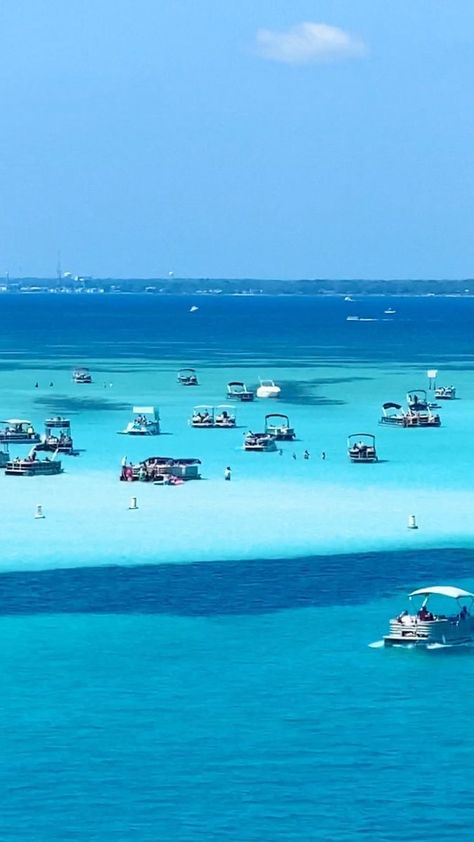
[206, 286]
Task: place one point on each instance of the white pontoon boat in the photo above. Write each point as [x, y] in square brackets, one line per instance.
[430, 628]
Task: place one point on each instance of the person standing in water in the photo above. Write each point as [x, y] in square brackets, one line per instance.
[227, 474]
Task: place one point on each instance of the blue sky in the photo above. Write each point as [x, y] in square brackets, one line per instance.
[237, 138]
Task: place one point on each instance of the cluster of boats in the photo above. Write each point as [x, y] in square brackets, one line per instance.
[418, 413]
[57, 439]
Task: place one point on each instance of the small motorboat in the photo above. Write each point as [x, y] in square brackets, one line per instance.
[237, 391]
[224, 416]
[146, 422]
[432, 628]
[57, 436]
[259, 442]
[278, 426]
[268, 389]
[202, 417]
[445, 393]
[81, 375]
[361, 447]
[31, 466]
[390, 311]
[187, 377]
[18, 431]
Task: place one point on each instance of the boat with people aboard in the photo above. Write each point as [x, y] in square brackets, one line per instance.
[81, 375]
[202, 417]
[361, 447]
[18, 431]
[268, 389]
[146, 422]
[259, 442]
[394, 415]
[224, 416]
[32, 466]
[237, 391]
[445, 393]
[187, 377]
[429, 628]
[417, 400]
[161, 470]
[57, 436]
[278, 425]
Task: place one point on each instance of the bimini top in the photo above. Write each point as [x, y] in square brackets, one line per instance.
[149, 410]
[443, 590]
[391, 405]
[15, 421]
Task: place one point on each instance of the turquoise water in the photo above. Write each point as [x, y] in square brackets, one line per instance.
[235, 696]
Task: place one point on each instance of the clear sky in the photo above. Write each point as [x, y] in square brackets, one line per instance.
[237, 138]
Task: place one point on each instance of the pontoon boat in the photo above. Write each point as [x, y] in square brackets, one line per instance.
[161, 470]
[146, 422]
[203, 417]
[361, 447]
[417, 400]
[259, 442]
[57, 436]
[224, 416]
[268, 389]
[81, 375]
[278, 425]
[187, 377]
[445, 393]
[31, 466]
[237, 391]
[18, 431]
[394, 415]
[427, 628]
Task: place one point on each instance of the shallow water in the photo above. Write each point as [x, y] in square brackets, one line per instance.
[236, 696]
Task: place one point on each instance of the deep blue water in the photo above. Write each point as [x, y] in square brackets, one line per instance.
[236, 700]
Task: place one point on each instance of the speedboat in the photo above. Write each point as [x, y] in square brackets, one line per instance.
[187, 377]
[145, 423]
[432, 628]
[202, 417]
[81, 375]
[18, 431]
[361, 447]
[278, 425]
[259, 442]
[390, 311]
[237, 391]
[445, 393]
[268, 389]
[224, 416]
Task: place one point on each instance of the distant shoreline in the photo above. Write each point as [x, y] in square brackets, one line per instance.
[69, 284]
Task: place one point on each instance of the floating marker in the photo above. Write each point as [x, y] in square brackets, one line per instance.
[412, 522]
[133, 503]
[39, 512]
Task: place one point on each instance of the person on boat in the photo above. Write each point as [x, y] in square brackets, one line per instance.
[424, 614]
[401, 617]
[464, 613]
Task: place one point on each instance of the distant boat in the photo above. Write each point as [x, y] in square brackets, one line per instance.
[193, 309]
[348, 298]
[352, 318]
[390, 311]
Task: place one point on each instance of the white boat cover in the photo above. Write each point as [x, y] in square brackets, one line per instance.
[443, 590]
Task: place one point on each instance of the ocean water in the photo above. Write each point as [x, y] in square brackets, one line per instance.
[203, 672]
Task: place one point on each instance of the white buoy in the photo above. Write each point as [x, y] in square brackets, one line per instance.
[412, 522]
[39, 512]
[133, 503]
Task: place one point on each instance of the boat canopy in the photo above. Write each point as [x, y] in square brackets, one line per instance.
[443, 590]
[149, 410]
[277, 415]
[15, 421]
[391, 405]
[361, 435]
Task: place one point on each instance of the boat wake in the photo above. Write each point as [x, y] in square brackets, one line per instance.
[377, 644]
